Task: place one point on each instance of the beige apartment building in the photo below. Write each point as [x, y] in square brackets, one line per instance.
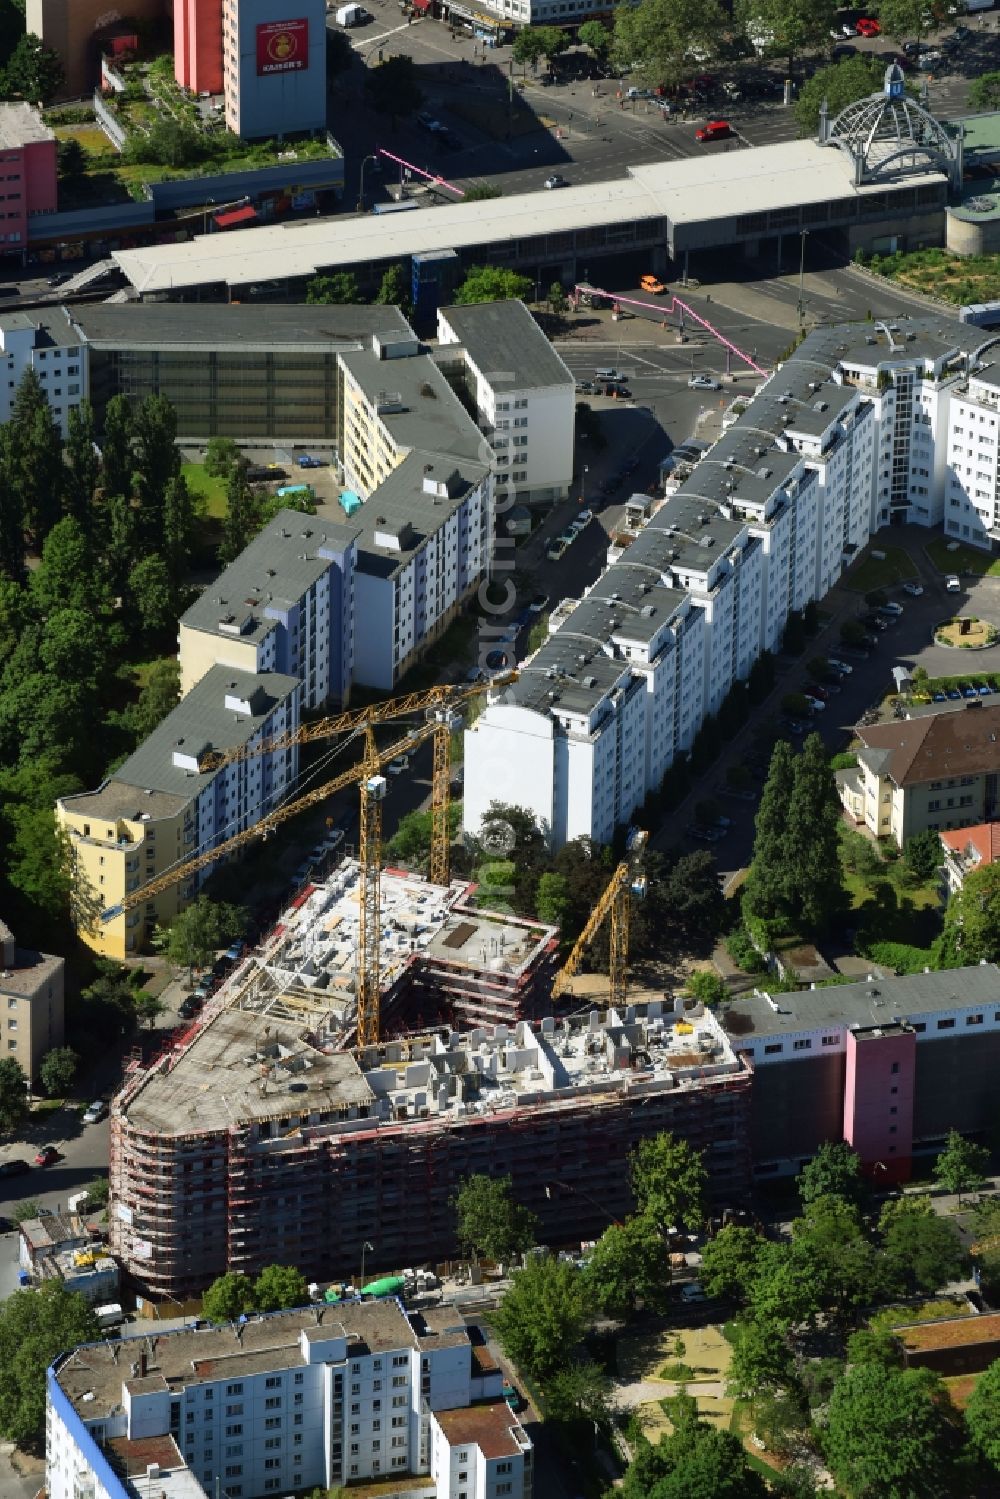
[31, 1002]
[936, 771]
[167, 803]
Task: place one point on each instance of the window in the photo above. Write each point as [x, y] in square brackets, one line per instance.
[236, 1430]
[273, 1382]
[803, 1045]
[973, 1019]
[272, 1403]
[894, 1068]
[272, 1423]
[774, 1048]
[830, 1040]
[234, 1389]
[234, 1470]
[272, 1444]
[946, 1025]
[272, 1462]
[234, 1410]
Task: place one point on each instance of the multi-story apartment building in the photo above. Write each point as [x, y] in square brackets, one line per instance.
[286, 604]
[936, 770]
[312, 1152]
[322, 1396]
[168, 802]
[48, 343]
[966, 850]
[31, 1002]
[888, 1064]
[28, 168]
[522, 393]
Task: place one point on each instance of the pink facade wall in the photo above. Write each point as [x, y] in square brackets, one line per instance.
[878, 1101]
[198, 45]
[28, 178]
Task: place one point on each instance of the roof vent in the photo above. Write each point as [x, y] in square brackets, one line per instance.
[590, 681]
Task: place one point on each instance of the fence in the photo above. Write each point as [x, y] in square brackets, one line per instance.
[111, 127]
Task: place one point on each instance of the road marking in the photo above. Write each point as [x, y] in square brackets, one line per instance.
[370, 41]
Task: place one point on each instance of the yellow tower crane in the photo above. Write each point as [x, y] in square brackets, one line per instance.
[438, 704]
[616, 901]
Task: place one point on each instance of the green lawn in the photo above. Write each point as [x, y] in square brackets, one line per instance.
[877, 572]
[141, 669]
[214, 490]
[962, 560]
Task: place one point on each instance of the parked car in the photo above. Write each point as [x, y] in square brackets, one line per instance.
[576, 526]
[585, 387]
[96, 1111]
[539, 603]
[703, 382]
[653, 284]
[714, 130]
[868, 27]
[838, 665]
[555, 181]
[913, 589]
[952, 584]
[954, 696]
[190, 1007]
[816, 691]
[16, 1167]
[306, 460]
[816, 704]
[967, 690]
[46, 1156]
[891, 608]
[984, 690]
[555, 551]
[693, 1292]
[585, 517]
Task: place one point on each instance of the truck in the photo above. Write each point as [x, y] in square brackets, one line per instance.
[351, 15]
[109, 1315]
[980, 314]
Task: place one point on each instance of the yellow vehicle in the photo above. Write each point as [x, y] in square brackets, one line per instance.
[652, 283]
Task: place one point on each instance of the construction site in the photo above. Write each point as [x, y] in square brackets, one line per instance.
[257, 1139]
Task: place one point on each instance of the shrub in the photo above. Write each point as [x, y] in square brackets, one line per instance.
[901, 956]
[742, 951]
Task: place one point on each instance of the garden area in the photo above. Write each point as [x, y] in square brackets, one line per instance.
[965, 633]
[936, 273]
[893, 566]
[956, 557]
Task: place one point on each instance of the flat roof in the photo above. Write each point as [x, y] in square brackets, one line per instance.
[695, 190]
[288, 326]
[490, 1427]
[201, 721]
[22, 125]
[505, 343]
[31, 970]
[954, 1332]
[53, 327]
[416, 405]
[275, 570]
[93, 1376]
[401, 508]
[880, 1001]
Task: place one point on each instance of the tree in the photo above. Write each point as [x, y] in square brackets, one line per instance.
[658, 37]
[12, 548]
[845, 1270]
[886, 1432]
[781, 1422]
[834, 1171]
[158, 697]
[193, 936]
[875, 1346]
[668, 1181]
[34, 463]
[962, 1165]
[148, 1007]
[25, 1210]
[57, 1070]
[157, 463]
[221, 457]
[82, 464]
[762, 1358]
[540, 1319]
[337, 290]
[696, 1461]
[580, 1392]
[596, 37]
[152, 595]
[922, 855]
[392, 87]
[528, 46]
[687, 902]
[229, 1297]
[766, 884]
[411, 842]
[840, 85]
[33, 71]
[761, 678]
[36, 1326]
[490, 1222]
[984, 92]
[729, 1262]
[243, 514]
[554, 40]
[707, 987]
[923, 1251]
[169, 142]
[180, 524]
[394, 290]
[116, 448]
[71, 160]
[98, 1191]
[490, 283]
[68, 576]
[628, 1264]
[902, 19]
[982, 1414]
[972, 920]
[280, 1287]
[784, 1289]
[787, 27]
[552, 899]
[13, 1094]
[814, 890]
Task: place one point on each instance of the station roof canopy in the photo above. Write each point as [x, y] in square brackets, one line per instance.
[697, 191]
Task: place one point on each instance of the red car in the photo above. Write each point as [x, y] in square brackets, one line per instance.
[46, 1156]
[867, 27]
[714, 130]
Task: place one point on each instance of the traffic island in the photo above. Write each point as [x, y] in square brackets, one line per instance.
[965, 633]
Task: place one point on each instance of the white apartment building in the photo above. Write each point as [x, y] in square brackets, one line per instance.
[169, 801]
[286, 604]
[321, 1396]
[766, 522]
[48, 343]
[523, 393]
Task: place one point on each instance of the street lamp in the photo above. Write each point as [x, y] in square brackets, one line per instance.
[803, 234]
[361, 190]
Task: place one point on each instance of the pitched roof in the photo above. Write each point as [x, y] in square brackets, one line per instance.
[966, 742]
[984, 839]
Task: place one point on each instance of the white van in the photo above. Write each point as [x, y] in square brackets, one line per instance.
[109, 1315]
